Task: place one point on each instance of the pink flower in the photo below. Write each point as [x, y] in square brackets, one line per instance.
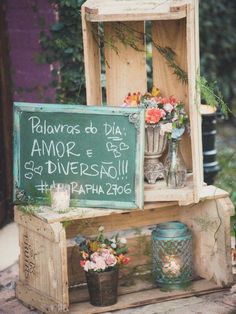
[82, 263]
[94, 256]
[173, 100]
[98, 262]
[111, 260]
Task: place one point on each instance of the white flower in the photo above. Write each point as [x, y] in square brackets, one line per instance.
[168, 107]
[123, 241]
[101, 229]
[167, 127]
[113, 245]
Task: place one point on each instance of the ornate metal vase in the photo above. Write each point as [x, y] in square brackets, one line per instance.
[155, 144]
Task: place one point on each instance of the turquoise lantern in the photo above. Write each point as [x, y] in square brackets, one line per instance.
[172, 255]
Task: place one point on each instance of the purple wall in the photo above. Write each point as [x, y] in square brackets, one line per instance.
[23, 30]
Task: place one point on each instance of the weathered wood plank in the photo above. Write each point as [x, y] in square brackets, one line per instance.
[194, 99]
[50, 231]
[92, 61]
[39, 300]
[43, 260]
[172, 34]
[144, 297]
[124, 62]
[131, 11]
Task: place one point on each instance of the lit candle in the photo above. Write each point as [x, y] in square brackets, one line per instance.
[172, 265]
[60, 196]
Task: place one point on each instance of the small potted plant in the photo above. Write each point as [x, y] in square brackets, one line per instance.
[101, 259]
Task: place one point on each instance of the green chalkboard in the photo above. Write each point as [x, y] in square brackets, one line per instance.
[97, 150]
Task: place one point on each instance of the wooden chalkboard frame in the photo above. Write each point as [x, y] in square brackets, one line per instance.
[136, 118]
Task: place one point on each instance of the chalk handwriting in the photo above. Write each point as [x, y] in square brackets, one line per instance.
[42, 127]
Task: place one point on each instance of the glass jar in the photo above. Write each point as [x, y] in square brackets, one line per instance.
[175, 171]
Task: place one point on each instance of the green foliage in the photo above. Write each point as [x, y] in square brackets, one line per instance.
[225, 179]
[63, 47]
[211, 95]
[218, 46]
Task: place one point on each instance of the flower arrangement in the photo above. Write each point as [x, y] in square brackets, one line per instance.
[167, 110]
[102, 254]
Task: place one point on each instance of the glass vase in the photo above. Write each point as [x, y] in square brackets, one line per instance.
[175, 171]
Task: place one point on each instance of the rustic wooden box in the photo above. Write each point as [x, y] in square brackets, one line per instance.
[52, 281]
[174, 24]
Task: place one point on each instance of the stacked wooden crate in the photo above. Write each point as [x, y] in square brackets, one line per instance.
[50, 276]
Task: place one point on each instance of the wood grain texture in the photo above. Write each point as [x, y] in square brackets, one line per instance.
[42, 261]
[145, 297]
[172, 34]
[194, 98]
[92, 61]
[125, 65]
[131, 10]
[39, 300]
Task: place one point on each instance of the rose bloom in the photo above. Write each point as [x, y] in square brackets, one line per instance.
[94, 256]
[125, 260]
[111, 260]
[154, 115]
[99, 264]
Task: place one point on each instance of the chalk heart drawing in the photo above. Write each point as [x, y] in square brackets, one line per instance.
[111, 147]
[123, 146]
[116, 154]
[29, 175]
[29, 165]
[38, 170]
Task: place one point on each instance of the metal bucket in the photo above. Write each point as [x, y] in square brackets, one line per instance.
[102, 287]
[210, 163]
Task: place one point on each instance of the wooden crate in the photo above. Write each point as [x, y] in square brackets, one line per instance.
[51, 278]
[174, 25]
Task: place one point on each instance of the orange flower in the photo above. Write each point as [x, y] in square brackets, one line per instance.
[84, 255]
[154, 115]
[133, 100]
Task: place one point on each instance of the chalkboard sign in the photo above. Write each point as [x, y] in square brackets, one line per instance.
[97, 150]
